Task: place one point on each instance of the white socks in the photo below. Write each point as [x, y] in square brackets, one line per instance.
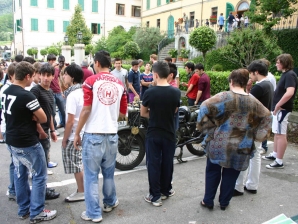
[279, 161]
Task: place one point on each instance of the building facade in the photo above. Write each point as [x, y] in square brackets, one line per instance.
[40, 23]
[166, 13]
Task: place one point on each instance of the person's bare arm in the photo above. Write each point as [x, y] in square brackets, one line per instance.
[52, 130]
[285, 98]
[147, 84]
[132, 89]
[144, 111]
[189, 89]
[199, 94]
[68, 128]
[40, 116]
[82, 121]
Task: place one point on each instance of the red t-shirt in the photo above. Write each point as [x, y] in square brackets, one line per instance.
[87, 73]
[194, 80]
[204, 86]
[55, 82]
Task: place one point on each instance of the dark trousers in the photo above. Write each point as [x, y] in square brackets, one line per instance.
[46, 145]
[264, 145]
[159, 159]
[214, 174]
[191, 102]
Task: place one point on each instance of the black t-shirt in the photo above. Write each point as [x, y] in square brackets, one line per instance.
[231, 19]
[162, 102]
[46, 101]
[18, 107]
[287, 79]
[263, 91]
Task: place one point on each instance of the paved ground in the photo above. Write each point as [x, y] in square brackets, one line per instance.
[277, 194]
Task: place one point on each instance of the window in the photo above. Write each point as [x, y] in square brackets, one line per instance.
[66, 4]
[94, 5]
[34, 24]
[51, 26]
[243, 6]
[147, 24]
[18, 25]
[213, 17]
[191, 19]
[120, 9]
[81, 3]
[158, 23]
[158, 2]
[32, 2]
[50, 4]
[95, 28]
[148, 4]
[65, 25]
[135, 11]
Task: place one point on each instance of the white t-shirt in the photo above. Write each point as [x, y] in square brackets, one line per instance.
[272, 79]
[74, 105]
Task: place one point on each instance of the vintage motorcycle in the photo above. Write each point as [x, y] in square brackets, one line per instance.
[132, 132]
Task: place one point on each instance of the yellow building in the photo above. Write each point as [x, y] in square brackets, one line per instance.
[166, 13]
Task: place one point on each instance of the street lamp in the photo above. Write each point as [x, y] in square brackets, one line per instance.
[66, 39]
[79, 36]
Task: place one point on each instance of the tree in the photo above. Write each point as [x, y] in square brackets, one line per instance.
[29, 52]
[43, 52]
[78, 23]
[268, 12]
[247, 45]
[131, 49]
[117, 38]
[101, 44]
[148, 38]
[88, 49]
[202, 39]
[34, 52]
[53, 50]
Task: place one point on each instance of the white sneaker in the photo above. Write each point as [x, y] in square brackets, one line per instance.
[50, 172]
[57, 133]
[109, 208]
[85, 217]
[76, 196]
[44, 216]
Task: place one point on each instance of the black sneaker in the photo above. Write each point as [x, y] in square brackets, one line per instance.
[250, 191]
[269, 157]
[275, 165]
[237, 193]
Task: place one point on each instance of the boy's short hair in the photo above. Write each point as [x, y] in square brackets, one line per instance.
[51, 57]
[161, 68]
[190, 65]
[134, 62]
[239, 77]
[11, 69]
[104, 58]
[37, 67]
[264, 60]
[258, 66]
[75, 72]
[30, 60]
[47, 68]
[199, 66]
[154, 56]
[173, 69]
[22, 69]
[168, 59]
[117, 59]
[19, 58]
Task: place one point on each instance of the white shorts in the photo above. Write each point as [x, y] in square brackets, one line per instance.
[280, 122]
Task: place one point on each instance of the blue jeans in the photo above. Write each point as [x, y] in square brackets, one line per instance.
[191, 102]
[99, 152]
[159, 160]
[264, 145]
[33, 159]
[60, 102]
[11, 188]
[214, 175]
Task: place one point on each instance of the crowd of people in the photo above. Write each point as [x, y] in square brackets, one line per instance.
[231, 120]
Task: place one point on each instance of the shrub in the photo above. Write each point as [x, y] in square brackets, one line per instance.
[43, 52]
[53, 50]
[217, 68]
[131, 49]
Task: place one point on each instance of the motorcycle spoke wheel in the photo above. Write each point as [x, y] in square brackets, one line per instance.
[131, 150]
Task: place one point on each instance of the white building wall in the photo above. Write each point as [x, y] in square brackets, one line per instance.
[106, 17]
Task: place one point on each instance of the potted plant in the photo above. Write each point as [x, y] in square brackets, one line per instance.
[173, 53]
[184, 53]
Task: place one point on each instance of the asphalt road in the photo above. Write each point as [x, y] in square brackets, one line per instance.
[277, 194]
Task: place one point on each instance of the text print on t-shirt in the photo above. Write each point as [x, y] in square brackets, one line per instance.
[11, 100]
[107, 93]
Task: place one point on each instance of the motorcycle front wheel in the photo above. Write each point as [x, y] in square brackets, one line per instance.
[131, 150]
[195, 147]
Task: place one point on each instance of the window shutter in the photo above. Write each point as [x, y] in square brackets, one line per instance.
[158, 3]
[81, 3]
[65, 25]
[94, 5]
[148, 4]
[50, 3]
[33, 2]
[65, 4]
[98, 28]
